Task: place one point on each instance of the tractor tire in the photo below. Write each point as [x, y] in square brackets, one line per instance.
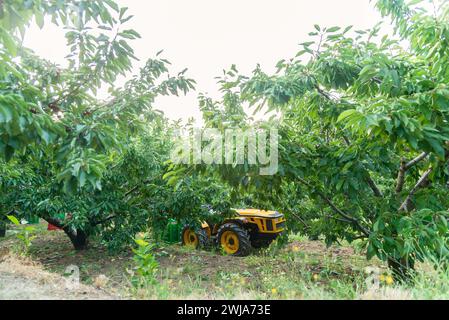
[204, 240]
[234, 240]
[196, 238]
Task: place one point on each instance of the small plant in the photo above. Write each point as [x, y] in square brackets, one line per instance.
[25, 235]
[146, 264]
[276, 246]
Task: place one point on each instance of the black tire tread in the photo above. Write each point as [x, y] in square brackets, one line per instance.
[203, 238]
[243, 235]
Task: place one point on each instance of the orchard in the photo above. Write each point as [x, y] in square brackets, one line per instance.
[363, 144]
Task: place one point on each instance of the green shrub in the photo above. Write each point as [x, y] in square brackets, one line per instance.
[146, 265]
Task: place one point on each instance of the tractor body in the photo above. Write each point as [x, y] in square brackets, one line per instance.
[250, 228]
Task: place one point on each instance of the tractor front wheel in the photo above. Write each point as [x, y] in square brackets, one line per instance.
[197, 239]
[234, 240]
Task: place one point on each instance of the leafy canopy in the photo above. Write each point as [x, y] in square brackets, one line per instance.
[363, 120]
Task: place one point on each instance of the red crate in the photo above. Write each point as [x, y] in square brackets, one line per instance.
[52, 227]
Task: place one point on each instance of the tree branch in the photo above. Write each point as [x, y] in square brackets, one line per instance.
[338, 210]
[323, 93]
[300, 219]
[96, 223]
[405, 166]
[374, 187]
[410, 164]
[135, 188]
[401, 176]
[421, 182]
[369, 180]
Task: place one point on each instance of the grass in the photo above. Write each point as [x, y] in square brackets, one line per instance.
[302, 270]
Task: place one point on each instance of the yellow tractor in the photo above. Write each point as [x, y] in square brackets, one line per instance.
[251, 228]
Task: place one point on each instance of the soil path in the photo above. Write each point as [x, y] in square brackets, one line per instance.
[31, 282]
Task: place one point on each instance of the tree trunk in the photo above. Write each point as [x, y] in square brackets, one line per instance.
[402, 269]
[2, 230]
[78, 238]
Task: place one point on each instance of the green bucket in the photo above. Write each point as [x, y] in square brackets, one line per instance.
[172, 232]
[32, 219]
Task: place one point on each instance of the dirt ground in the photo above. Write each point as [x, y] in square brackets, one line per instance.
[25, 280]
[183, 273]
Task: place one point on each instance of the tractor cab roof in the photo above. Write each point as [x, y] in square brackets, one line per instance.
[258, 213]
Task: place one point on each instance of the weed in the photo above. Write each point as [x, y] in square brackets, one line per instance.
[25, 235]
[146, 264]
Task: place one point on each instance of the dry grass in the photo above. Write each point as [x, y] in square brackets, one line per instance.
[387, 294]
[23, 278]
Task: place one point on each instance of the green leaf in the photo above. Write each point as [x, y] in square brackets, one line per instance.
[346, 114]
[6, 114]
[130, 34]
[39, 19]
[437, 147]
[82, 179]
[8, 42]
[379, 225]
[141, 243]
[333, 29]
[371, 251]
[113, 5]
[14, 220]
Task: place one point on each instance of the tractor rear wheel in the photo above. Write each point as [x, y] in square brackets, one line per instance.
[197, 239]
[234, 239]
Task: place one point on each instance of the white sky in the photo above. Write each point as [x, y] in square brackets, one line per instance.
[208, 36]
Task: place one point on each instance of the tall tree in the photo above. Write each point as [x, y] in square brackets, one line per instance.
[50, 117]
[364, 133]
